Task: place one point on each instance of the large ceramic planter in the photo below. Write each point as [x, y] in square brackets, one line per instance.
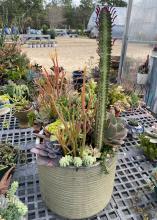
[22, 116]
[142, 78]
[76, 193]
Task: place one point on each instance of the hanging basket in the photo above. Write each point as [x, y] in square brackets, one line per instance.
[77, 193]
[142, 78]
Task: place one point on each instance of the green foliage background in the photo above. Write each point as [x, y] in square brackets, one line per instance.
[34, 13]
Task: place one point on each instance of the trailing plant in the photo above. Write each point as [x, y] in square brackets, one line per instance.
[11, 208]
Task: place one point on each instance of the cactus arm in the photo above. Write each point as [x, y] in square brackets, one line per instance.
[105, 45]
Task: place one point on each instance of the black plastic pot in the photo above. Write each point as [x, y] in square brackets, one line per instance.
[77, 79]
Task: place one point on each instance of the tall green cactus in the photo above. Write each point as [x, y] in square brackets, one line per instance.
[105, 46]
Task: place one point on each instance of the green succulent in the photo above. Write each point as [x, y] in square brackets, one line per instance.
[77, 162]
[134, 100]
[133, 122]
[66, 161]
[88, 160]
[105, 45]
[152, 136]
[114, 131]
[18, 91]
[11, 208]
[149, 146]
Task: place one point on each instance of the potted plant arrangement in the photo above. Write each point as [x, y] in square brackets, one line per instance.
[20, 102]
[11, 208]
[8, 157]
[148, 142]
[77, 159]
[143, 71]
[134, 128]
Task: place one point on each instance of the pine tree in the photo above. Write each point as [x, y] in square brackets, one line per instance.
[86, 9]
[115, 3]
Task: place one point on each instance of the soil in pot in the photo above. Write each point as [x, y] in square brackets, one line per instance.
[22, 116]
[77, 193]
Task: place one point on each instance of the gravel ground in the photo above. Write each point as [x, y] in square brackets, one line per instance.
[75, 53]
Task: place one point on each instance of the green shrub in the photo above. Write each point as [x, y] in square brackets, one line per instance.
[150, 149]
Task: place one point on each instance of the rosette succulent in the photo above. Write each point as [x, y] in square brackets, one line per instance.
[88, 160]
[77, 162]
[11, 208]
[66, 161]
[114, 131]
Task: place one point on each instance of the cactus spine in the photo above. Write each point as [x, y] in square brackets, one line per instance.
[105, 45]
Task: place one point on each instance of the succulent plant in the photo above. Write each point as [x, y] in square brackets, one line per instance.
[66, 161]
[133, 122]
[88, 160]
[152, 135]
[11, 208]
[149, 145]
[8, 155]
[114, 131]
[77, 161]
[106, 16]
[49, 153]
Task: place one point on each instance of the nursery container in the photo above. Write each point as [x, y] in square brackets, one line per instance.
[22, 117]
[135, 130]
[77, 76]
[142, 78]
[77, 193]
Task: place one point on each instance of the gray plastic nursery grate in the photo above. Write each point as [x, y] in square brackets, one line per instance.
[130, 178]
[132, 171]
[8, 122]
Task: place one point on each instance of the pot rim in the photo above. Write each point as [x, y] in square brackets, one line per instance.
[108, 164]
